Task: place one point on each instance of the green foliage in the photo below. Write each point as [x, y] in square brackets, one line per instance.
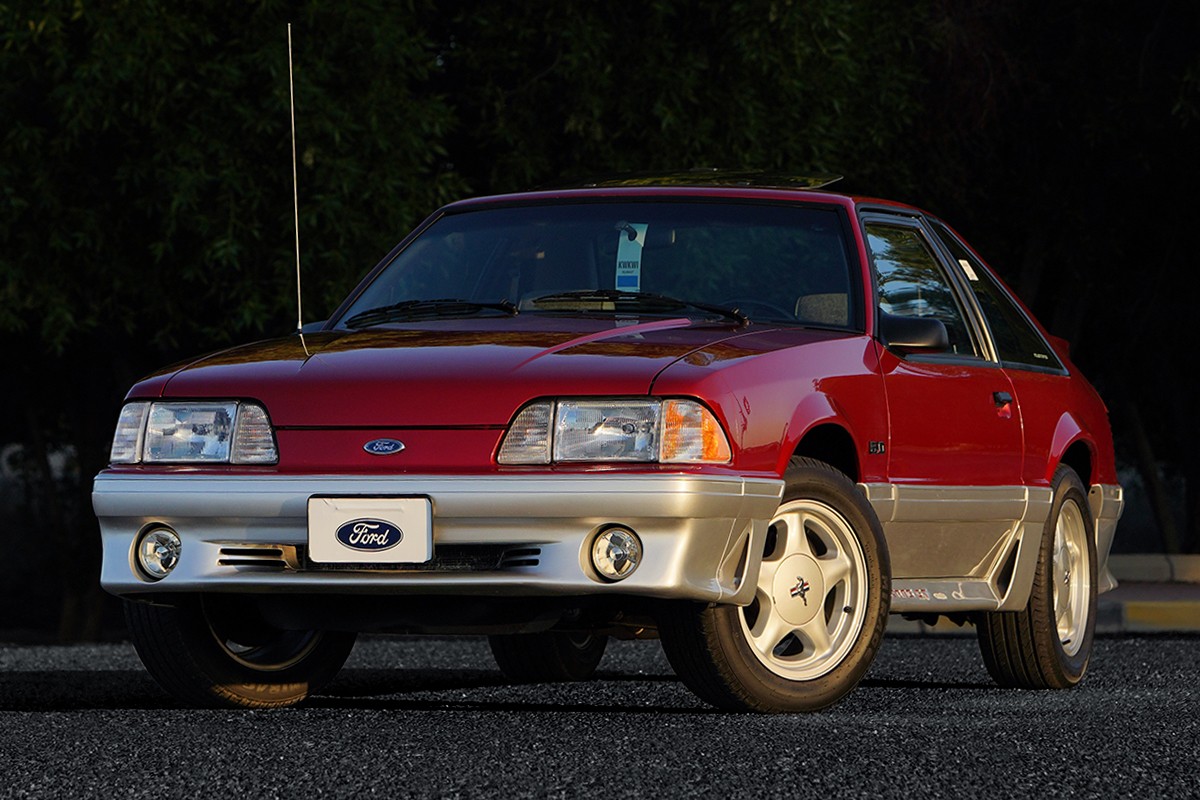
[146, 156]
[146, 161]
[574, 89]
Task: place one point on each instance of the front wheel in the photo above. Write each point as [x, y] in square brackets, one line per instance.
[216, 653]
[818, 613]
[1047, 644]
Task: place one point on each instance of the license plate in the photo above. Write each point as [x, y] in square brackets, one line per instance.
[370, 530]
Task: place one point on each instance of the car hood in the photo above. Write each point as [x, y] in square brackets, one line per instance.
[440, 373]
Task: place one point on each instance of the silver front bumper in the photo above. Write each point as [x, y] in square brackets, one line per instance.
[700, 534]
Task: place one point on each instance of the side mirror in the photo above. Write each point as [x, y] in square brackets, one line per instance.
[313, 327]
[913, 333]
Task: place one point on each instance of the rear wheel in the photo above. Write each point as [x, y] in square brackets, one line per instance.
[819, 609]
[213, 652]
[549, 657]
[1047, 644]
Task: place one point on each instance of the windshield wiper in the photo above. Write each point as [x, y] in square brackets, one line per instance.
[426, 309]
[646, 301]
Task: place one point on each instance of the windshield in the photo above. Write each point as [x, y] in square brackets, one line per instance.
[772, 263]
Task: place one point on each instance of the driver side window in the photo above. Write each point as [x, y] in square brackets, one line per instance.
[911, 283]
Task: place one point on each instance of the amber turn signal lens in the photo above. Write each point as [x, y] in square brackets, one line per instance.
[690, 433]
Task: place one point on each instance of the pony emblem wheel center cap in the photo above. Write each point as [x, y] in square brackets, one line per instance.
[799, 589]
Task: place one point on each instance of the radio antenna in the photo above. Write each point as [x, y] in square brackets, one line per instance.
[295, 190]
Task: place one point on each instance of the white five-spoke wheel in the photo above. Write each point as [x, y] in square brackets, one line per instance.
[1072, 583]
[810, 603]
[818, 611]
[1047, 644]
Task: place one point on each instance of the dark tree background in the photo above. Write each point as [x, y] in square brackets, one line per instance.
[145, 212]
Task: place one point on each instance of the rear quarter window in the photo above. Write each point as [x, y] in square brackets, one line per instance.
[1018, 342]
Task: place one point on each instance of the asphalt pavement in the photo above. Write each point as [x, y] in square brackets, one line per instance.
[432, 717]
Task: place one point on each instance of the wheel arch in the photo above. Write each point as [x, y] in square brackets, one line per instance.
[1072, 447]
[1079, 458]
[830, 442]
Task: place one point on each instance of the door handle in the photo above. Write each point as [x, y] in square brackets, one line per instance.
[1003, 401]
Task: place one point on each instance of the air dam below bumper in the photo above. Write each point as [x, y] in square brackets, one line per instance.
[492, 535]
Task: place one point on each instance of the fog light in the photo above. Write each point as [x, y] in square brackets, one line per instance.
[158, 552]
[616, 553]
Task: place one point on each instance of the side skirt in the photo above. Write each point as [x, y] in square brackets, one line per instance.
[960, 548]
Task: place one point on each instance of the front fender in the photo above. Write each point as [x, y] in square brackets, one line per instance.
[814, 410]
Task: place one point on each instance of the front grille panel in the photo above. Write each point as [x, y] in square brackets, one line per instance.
[446, 558]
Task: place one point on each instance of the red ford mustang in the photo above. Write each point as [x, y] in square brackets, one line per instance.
[746, 416]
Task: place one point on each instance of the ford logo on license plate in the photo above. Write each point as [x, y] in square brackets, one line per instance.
[370, 535]
[383, 447]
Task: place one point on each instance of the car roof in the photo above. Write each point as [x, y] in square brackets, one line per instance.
[757, 179]
[712, 184]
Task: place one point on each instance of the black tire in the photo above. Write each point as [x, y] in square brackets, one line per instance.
[1035, 648]
[771, 655]
[210, 653]
[549, 657]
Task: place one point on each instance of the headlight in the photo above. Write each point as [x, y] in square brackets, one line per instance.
[595, 430]
[615, 430]
[199, 432]
[189, 432]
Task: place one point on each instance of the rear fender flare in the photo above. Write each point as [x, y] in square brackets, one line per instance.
[1067, 432]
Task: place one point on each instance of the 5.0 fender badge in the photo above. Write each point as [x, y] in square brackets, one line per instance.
[383, 447]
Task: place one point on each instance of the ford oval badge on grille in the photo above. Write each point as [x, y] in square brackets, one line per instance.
[369, 534]
[383, 447]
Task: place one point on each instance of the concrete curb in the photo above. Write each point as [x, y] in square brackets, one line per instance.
[1150, 607]
[1155, 568]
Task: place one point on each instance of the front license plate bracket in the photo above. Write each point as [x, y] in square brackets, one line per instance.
[370, 530]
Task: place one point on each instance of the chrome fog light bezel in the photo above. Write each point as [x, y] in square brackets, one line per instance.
[616, 553]
[156, 552]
